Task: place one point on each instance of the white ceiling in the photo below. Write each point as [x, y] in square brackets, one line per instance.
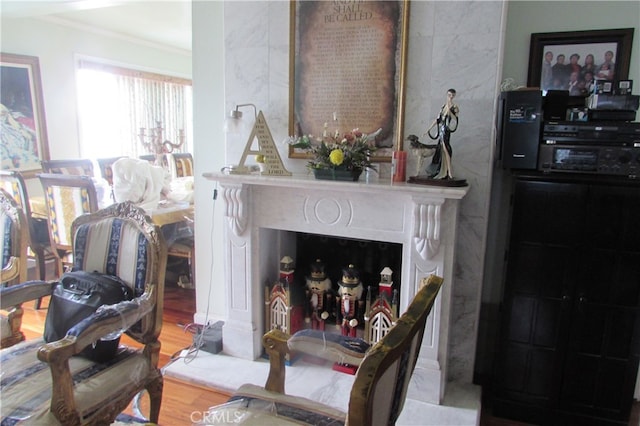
[166, 23]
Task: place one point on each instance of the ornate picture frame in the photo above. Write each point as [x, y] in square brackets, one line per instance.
[347, 70]
[24, 142]
[587, 50]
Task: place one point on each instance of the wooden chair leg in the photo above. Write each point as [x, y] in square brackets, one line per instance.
[42, 266]
[155, 398]
[155, 385]
[42, 274]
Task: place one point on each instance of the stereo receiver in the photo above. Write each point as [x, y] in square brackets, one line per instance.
[608, 149]
[609, 133]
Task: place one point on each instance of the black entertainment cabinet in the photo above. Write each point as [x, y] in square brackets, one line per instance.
[569, 338]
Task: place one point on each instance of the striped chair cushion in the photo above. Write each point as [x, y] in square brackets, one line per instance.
[254, 405]
[331, 346]
[184, 167]
[73, 203]
[114, 247]
[25, 382]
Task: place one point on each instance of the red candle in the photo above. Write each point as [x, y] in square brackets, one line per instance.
[399, 159]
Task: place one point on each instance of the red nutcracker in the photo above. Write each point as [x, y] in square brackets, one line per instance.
[319, 296]
[351, 305]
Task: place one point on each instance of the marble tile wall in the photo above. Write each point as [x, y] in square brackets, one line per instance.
[451, 44]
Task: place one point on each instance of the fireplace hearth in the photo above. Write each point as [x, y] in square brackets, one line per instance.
[266, 216]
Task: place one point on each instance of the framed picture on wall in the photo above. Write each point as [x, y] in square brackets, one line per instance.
[574, 60]
[347, 70]
[24, 131]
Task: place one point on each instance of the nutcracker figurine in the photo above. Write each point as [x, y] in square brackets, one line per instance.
[319, 296]
[351, 305]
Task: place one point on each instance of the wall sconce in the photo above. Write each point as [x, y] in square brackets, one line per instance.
[236, 113]
[267, 149]
[232, 122]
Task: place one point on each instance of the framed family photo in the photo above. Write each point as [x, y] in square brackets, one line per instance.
[575, 60]
[24, 131]
[347, 70]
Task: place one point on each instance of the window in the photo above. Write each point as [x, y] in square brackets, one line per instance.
[115, 103]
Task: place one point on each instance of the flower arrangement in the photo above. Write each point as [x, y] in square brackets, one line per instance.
[350, 152]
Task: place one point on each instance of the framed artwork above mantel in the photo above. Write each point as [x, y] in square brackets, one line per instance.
[24, 132]
[347, 70]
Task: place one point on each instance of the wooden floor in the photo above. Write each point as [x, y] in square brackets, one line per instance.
[183, 403]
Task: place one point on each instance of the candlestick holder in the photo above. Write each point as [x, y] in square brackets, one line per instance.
[155, 144]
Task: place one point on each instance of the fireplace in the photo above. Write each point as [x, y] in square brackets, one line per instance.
[265, 214]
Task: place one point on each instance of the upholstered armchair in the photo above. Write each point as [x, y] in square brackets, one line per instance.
[48, 383]
[183, 164]
[66, 198]
[77, 167]
[106, 168]
[14, 238]
[39, 245]
[180, 236]
[380, 385]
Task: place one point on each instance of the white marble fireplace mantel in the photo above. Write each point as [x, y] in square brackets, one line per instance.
[263, 213]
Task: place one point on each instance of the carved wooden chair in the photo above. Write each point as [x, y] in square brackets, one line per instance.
[106, 168]
[14, 240]
[183, 164]
[48, 383]
[66, 198]
[78, 167]
[181, 243]
[380, 385]
[39, 245]
[151, 158]
[180, 165]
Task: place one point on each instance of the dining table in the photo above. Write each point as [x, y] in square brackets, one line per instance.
[167, 211]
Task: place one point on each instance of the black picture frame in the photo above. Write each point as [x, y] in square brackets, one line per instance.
[582, 43]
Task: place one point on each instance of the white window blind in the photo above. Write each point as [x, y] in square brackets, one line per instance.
[115, 103]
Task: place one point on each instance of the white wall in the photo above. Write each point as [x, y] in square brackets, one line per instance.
[527, 17]
[451, 44]
[208, 123]
[57, 48]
